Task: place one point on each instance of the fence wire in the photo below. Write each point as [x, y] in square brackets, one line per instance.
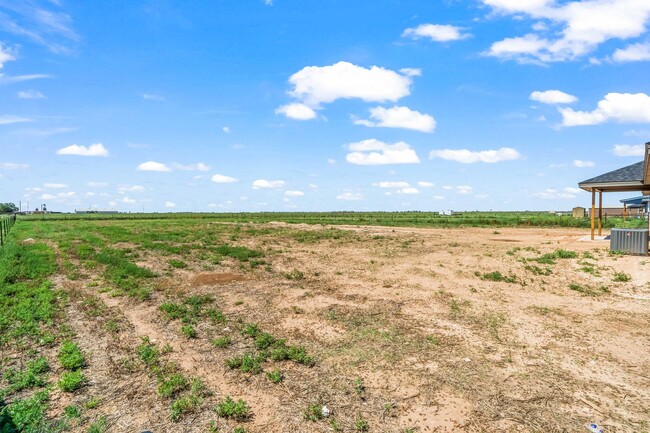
[6, 222]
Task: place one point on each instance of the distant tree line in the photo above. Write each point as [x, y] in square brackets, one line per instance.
[8, 208]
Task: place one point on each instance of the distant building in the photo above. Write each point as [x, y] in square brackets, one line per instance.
[579, 212]
[447, 212]
[95, 211]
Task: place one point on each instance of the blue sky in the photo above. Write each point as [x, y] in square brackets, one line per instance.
[319, 105]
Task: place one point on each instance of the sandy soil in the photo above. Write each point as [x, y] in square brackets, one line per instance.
[406, 330]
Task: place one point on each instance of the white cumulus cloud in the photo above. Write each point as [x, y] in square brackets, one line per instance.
[317, 85]
[123, 189]
[629, 149]
[464, 189]
[618, 107]
[192, 167]
[392, 184]
[55, 185]
[127, 200]
[582, 164]
[170, 204]
[294, 193]
[6, 55]
[48, 197]
[435, 32]
[96, 149]
[467, 156]
[296, 111]
[633, 53]
[220, 178]
[350, 196]
[399, 117]
[568, 30]
[552, 97]
[424, 184]
[267, 184]
[153, 166]
[375, 152]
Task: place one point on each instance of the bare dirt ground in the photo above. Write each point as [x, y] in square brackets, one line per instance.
[410, 329]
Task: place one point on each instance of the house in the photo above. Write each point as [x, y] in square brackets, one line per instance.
[632, 178]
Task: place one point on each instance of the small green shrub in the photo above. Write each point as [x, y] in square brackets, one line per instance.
[71, 381]
[295, 275]
[178, 264]
[222, 342]
[251, 330]
[314, 412]
[229, 408]
[497, 276]
[275, 376]
[361, 425]
[70, 356]
[172, 385]
[622, 277]
[72, 411]
[99, 426]
[148, 352]
[183, 405]
[188, 331]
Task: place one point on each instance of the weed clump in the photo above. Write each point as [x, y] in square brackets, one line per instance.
[70, 356]
[229, 408]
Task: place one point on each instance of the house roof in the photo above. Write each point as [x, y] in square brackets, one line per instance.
[636, 200]
[629, 178]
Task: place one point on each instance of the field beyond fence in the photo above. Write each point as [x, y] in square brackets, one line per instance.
[390, 219]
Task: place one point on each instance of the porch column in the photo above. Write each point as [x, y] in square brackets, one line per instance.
[600, 213]
[593, 212]
[624, 211]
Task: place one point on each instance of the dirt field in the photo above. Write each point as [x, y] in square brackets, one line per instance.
[410, 330]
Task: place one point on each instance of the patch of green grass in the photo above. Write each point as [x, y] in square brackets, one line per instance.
[148, 352]
[538, 271]
[70, 356]
[359, 387]
[243, 254]
[264, 340]
[222, 342]
[112, 326]
[93, 403]
[72, 411]
[361, 425]
[32, 376]
[497, 276]
[188, 331]
[123, 274]
[27, 415]
[251, 330]
[228, 408]
[314, 412]
[178, 264]
[295, 275]
[172, 385]
[588, 291]
[275, 376]
[590, 269]
[185, 404]
[99, 426]
[71, 381]
[173, 311]
[621, 277]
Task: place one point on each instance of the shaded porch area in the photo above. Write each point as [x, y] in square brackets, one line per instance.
[632, 178]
